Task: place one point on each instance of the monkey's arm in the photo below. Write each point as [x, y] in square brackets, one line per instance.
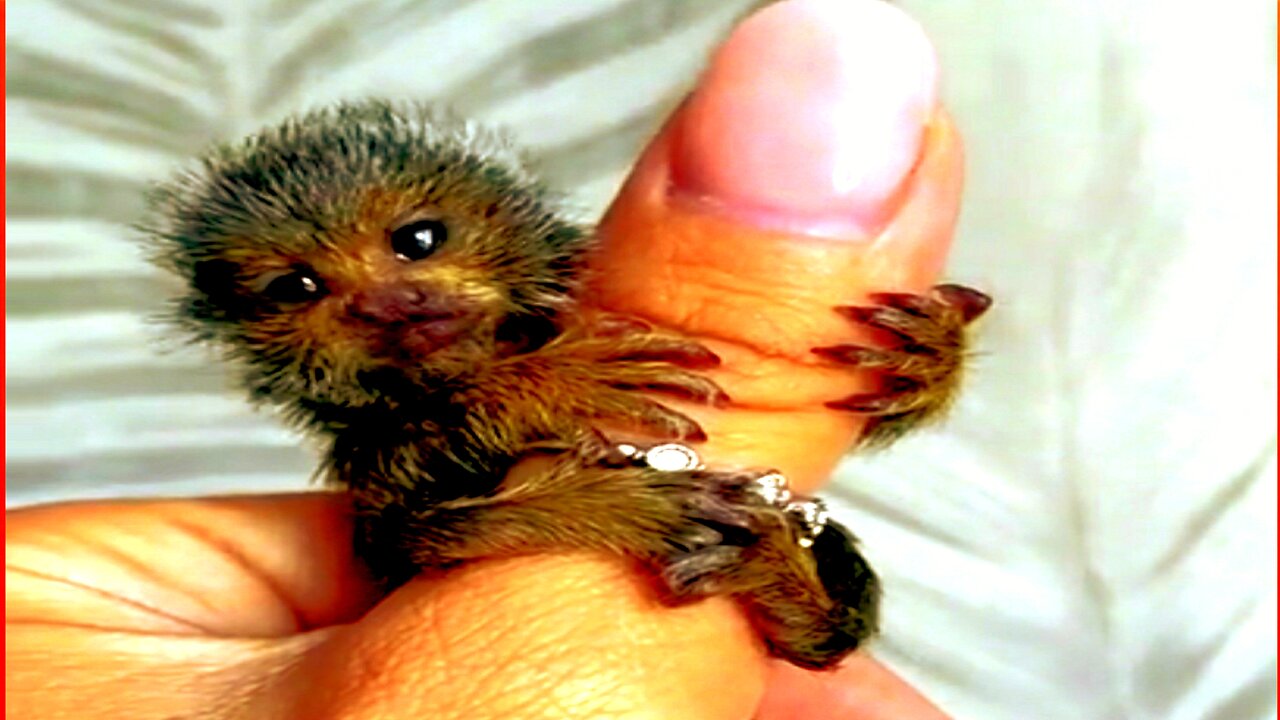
[596, 375]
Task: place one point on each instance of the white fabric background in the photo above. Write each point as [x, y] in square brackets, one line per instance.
[1093, 536]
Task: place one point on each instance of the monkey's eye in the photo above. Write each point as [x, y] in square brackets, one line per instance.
[418, 239]
[293, 286]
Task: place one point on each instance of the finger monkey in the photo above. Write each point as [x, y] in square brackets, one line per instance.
[399, 285]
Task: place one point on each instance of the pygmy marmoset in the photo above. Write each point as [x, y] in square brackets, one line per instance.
[399, 285]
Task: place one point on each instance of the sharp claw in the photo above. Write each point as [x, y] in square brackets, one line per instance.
[853, 355]
[918, 372]
[697, 537]
[971, 303]
[886, 318]
[857, 313]
[916, 305]
[868, 404]
[919, 349]
[615, 325]
[719, 511]
[899, 384]
[721, 399]
[695, 573]
[695, 434]
[698, 358]
[685, 355]
[709, 395]
[663, 422]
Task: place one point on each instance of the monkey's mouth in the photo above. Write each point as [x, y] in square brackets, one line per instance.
[408, 322]
[424, 333]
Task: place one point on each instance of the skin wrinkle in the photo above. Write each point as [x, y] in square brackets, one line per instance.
[184, 654]
[241, 666]
[252, 570]
[203, 535]
[439, 637]
[328, 586]
[193, 595]
[18, 621]
[153, 578]
[550, 682]
[555, 659]
[602, 689]
[721, 285]
[543, 622]
[363, 673]
[455, 640]
[138, 605]
[577, 699]
[716, 293]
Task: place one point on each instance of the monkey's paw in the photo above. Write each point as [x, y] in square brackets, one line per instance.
[611, 376]
[808, 589]
[820, 637]
[921, 363]
[814, 605]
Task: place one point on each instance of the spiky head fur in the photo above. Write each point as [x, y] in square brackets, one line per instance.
[320, 194]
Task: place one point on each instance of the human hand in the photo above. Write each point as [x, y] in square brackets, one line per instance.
[729, 230]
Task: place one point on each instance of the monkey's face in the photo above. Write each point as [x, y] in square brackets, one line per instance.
[352, 249]
[393, 290]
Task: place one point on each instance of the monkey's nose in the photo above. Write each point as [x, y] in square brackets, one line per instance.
[399, 304]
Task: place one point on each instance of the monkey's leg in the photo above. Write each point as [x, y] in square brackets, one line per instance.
[813, 606]
[921, 363]
[817, 625]
[608, 505]
[701, 532]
